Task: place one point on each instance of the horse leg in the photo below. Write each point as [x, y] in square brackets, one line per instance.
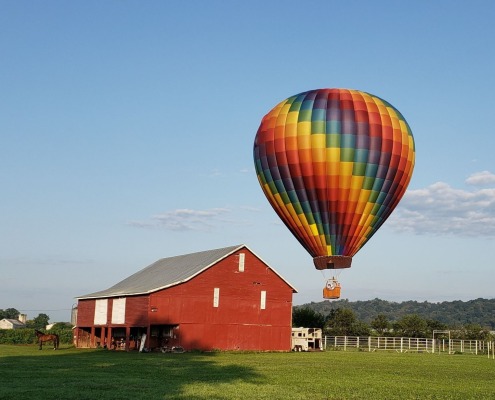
[40, 342]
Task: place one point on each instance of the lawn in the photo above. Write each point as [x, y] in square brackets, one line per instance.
[27, 373]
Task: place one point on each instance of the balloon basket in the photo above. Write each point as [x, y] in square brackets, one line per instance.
[331, 290]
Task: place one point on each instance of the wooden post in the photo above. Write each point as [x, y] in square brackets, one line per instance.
[148, 337]
[127, 337]
[92, 337]
[109, 338]
[102, 336]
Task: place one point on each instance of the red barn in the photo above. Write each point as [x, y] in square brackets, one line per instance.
[225, 299]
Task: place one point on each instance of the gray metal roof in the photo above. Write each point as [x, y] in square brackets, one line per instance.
[166, 272]
[14, 322]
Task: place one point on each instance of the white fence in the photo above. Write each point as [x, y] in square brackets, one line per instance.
[404, 344]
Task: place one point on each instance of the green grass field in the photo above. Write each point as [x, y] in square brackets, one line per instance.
[27, 373]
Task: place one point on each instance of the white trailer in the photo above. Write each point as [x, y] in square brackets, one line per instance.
[306, 339]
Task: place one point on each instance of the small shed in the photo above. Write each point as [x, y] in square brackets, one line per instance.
[224, 299]
[8, 323]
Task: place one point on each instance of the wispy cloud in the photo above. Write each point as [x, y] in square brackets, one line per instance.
[186, 219]
[441, 209]
[481, 178]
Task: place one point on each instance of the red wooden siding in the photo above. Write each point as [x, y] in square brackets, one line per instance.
[85, 312]
[136, 313]
[238, 323]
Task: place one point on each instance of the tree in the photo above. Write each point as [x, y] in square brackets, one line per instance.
[411, 326]
[360, 328]
[433, 325]
[306, 317]
[475, 332]
[9, 313]
[340, 322]
[40, 322]
[380, 324]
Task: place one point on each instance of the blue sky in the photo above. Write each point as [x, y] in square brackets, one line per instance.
[127, 130]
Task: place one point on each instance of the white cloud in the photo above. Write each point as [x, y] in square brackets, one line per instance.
[441, 209]
[481, 178]
[185, 219]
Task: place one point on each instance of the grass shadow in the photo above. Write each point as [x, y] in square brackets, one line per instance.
[102, 374]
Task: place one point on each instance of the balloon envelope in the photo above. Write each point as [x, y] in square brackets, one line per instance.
[334, 163]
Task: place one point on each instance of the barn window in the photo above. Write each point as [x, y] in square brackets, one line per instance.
[241, 262]
[263, 300]
[118, 311]
[101, 307]
[216, 296]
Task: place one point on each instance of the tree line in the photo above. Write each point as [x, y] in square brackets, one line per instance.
[450, 313]
[344, 321]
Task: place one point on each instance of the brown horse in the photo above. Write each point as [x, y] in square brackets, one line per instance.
[43, 337]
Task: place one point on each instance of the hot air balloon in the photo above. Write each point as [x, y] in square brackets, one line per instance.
[334, 164]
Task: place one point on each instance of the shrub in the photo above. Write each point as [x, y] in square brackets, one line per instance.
[27, 336]
[17, 336]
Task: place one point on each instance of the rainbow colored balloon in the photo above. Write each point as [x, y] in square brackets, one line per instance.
[334, 164]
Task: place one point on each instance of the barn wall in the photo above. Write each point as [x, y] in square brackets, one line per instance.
[238, 322]
[85, 312]
[235, 337]
[136, 312]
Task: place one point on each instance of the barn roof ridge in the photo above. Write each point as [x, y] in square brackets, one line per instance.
[169, 271]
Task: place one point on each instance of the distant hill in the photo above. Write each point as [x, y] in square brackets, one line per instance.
[451, 313]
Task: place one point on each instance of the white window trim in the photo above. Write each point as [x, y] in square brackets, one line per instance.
[242, 258]
[118, 311]
[216, 297]
[263, 300]
[101, 310]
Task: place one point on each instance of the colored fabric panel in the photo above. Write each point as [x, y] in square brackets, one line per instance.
[334, 163]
